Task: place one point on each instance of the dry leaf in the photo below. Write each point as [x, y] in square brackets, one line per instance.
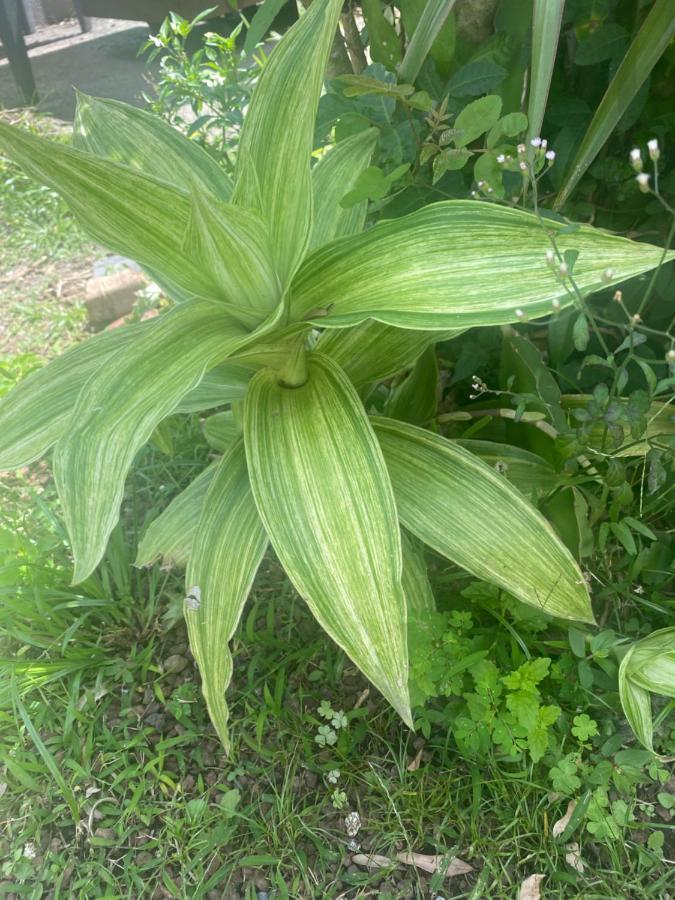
[529, 889]
[430, 864]
[562, 824]
[415, 764]
[573, 857]
[371, 862]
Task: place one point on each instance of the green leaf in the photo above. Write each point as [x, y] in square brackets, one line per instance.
[427, 30]
[221, 430]
[636, 703]
[273, 160]
[528, 472]
[546, 22]
[372, 351]
[334, 176]
[467, 512]
[455, 264]
[322, 490]
[512, 124]
[119, 408]
[476, 78]
[126, 134]
[363, 85]
[221, 385]
[261, 23]
[169, 537]
[476, 118]
[385, 46]
[150, 220]
[419, 595]
[228, 547]
[601, 44]
[645, 51]
[415, 398]
[652, 663]
[34, 414]
[581, 333]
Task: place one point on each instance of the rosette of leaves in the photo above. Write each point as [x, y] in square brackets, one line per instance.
[647, 668]
[255, 267]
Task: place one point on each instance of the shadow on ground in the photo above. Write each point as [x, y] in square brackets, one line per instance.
[103, 62]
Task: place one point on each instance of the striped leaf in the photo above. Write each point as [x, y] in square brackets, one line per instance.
[427, 30]
[322, 490]
[273, 162]
[140, 139]
[149, 220]
[221, 430]
[647, 48]
[119, 408]
[636, 703]
[419, 596]
[221, 385]
[469, 513]
[35, 413]
[456, 264]
[528, 472]
[546, 22]
[333, 176]
[227, 549]
[415, 398]
[169, 537]
[372, 351]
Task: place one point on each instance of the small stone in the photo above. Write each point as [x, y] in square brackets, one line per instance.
[175, 663]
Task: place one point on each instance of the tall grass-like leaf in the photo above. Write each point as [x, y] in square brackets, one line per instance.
[140, 139]
[332, 177]
[427, 30]
[645, 51]
[149, 220]
[119, 408]
[169, 537]
[636, 703]
[35, 413]
[418, 592]
[469, 513]
[546, 22]
[273, 161]
[228, 547]
[456, 264]
[372, 351]
[323, 492]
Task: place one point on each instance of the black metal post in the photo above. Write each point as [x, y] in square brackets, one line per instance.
[11, 35]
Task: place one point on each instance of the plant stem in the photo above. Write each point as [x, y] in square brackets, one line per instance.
[293, 372]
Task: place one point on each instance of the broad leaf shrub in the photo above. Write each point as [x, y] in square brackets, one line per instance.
[255, 268]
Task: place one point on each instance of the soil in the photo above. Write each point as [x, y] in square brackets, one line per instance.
[103, 62]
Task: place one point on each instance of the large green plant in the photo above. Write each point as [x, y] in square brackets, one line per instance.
[255, 269]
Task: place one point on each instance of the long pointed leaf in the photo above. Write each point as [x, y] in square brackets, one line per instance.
[372, 351]
[418, 592]
[546, 22]
[148, 220]
[169, 537]
[456, 264]
[647, 48]
[322, 490]
[467, 512]
[140, 139]
[119, 408]
[34, 414]
[332, 177]
[220, 386]
[427, 30]
[228, 547]
[273, 161]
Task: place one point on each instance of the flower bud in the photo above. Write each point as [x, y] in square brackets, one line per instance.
[608, 275]
[643, 182]
[519, 314]
[670, 356]
[653, 147]
[563, 269]
[555, 303]
[550, 257]
[636, 159]
[550, 156]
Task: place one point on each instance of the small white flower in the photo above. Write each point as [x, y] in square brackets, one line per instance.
[523, 166]
[519, 314]
[544, 144]
[522, 149]
[550, 257]
[550, 155]
[29, 850]
[670, 355]
[501, 159]
[653, 147]
[563, 269]
[608, 275]
[481, 184]
[643, 182]
[555, 303]
[636, 318]
[474, 194]
[536, 142]
[618, 296]
[636, 159]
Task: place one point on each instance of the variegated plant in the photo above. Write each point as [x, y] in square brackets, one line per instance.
[256, 269]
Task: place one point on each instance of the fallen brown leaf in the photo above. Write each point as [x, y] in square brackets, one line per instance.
[415, 763]
[430, 864]
[573, 857]
[561, 824]
[372, 861]
[529, 889]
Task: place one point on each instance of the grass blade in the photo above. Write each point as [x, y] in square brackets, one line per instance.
[546, 22]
